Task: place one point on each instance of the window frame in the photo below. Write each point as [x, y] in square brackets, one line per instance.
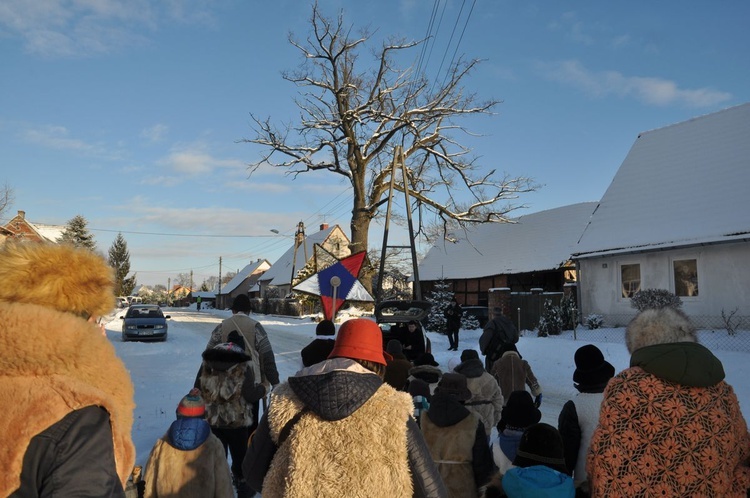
[673, 279]
[620, 283]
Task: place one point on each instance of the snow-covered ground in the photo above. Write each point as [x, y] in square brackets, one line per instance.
[164, 372]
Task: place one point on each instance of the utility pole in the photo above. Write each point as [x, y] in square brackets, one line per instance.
[299, 239]
[219, 291]
[169, 291]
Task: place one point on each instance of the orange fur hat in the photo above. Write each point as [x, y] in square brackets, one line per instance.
[58, 276]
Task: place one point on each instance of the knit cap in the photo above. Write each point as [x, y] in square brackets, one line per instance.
[325, 327]
[192, 405]
[541, 444]
[394, 347]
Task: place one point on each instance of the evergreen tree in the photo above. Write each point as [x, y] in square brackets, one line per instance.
[77, 234]
[440, 297]
[119, 259]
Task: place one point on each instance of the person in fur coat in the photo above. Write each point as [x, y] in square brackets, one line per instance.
[579, 416]
[188, 461]
[513, 373]
[669, 425]
[456, 438]
[335, 429]
[66, 429]
[426, 368]
[486, 400]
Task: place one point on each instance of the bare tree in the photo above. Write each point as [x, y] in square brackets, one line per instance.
[6, 198]
[353, 116]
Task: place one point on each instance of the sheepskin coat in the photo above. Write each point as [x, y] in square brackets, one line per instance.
[52, 366]
[458, 446]
[670, 426]
[188, 462]
[513, 373]
[486, 400]
[349, 435]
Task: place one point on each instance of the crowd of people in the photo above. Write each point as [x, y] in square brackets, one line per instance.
[359, 418]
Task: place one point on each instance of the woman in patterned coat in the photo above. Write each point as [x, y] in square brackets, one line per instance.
[669, 425]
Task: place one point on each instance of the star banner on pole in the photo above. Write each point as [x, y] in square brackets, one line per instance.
[337, 284]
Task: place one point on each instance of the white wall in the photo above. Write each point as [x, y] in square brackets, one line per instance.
[723, 280]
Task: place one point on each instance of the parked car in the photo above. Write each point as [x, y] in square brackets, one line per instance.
[481, 313]
[144, 322]
[393, 315]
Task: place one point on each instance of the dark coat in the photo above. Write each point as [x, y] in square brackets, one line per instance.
[497, 332]
[397, 372]
[317, 351]
[414, 344]
[453, 315]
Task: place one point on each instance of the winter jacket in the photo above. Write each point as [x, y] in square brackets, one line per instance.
[504, 448]
[537, 481]
[458, 446]
[453, 315]
[513, 374]
[497, 332]
[414, 344]
[576, 423]
[189, 462]
[486, 400]
[427, 373]
[317, 351]
[254, 335]
[348, 434]
[227, 384]
[65, 429]
[397, 372]
[669, 425]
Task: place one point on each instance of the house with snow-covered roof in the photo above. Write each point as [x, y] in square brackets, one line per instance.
[241, 283]
[302, 251]
[19, 228]
[675, 217]
[532, 253]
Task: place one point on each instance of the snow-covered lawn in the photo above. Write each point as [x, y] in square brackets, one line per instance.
[164, 372]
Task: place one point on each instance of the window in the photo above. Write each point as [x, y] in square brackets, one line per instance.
[685, 277]
[630, 276]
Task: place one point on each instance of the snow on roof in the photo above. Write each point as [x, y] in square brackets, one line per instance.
[204, 295]
[538, 241]
[281, 270]
[49, 232]
[680, 185]
[248, 270]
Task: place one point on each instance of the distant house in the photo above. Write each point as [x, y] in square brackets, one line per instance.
[675, 217]
[532, 253]
[19, 228]
[331, 238]
[242, 283]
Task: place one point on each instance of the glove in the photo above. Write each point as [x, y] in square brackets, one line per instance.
[538, 400]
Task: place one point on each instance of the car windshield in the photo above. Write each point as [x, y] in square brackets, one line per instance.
[144, 313]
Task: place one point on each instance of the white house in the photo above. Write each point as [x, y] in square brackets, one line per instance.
[241, 283]
[675, 217]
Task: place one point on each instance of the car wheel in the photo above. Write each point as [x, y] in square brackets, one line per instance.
[124, 338]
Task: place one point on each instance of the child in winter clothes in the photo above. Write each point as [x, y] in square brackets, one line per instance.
[426, 368]
[538, 468]
[319, 349]
[420, 394]
[513, 373]
[517, 415]
[486, 400]
[397, 370]
[580, 416]
[188, 461]
[456, 438]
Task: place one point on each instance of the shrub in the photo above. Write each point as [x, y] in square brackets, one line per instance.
[594, 321]
[568, 313]
[654, 299]
[551, 321]
[469, 322]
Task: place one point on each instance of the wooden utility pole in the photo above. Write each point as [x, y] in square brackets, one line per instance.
[299, 239]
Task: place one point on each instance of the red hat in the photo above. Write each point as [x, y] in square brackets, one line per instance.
[360, 339]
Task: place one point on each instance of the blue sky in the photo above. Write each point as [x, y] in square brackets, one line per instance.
[129, 113]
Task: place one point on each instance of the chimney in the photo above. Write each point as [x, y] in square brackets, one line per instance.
[22, 214]
[323, 226]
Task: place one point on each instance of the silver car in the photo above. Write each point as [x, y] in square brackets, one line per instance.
[144, 322]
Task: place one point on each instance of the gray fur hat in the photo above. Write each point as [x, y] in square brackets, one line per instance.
[659, 326]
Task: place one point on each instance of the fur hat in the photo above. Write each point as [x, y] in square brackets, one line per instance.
[360, 339]
[426, 359]
[541, 444]
[591, 367]
[519, 411]
[394, 347]
[454, 384]
[469, 354]
[659, 326]
[192, 405]
[325, 327]
[241, 304]
[58, 276]
[418, 387]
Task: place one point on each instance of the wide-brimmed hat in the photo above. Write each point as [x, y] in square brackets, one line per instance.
[360, 339]
[591, 367]
[469, 354]
[541, 444]
[454, 384]
[426, 359]
[519, 411]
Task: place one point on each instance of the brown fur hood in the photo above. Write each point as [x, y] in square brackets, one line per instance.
[52, 363]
